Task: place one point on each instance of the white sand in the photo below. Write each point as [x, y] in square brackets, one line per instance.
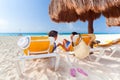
[40, 69]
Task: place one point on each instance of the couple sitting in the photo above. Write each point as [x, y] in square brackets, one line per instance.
[77, 45]
[66, 45]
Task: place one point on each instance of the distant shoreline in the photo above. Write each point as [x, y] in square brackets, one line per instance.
[39, 34]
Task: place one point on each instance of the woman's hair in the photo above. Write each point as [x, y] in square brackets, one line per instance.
[74, 33]
[53, 33]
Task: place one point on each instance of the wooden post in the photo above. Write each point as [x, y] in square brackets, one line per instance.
[90, 26]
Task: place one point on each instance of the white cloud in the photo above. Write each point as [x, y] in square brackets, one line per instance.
[72, 27]
[3, 22]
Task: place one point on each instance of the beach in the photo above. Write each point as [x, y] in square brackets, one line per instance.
[41, 69]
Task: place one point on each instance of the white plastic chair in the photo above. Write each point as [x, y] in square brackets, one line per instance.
[26, 43]
[113, 46]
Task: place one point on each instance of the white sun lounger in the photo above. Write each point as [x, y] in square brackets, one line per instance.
[113, 46]
[43, 43]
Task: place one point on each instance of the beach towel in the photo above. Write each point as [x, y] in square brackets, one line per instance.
[81, 50]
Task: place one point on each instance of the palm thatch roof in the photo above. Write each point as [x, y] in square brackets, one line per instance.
[113, 11]
[113, 21]
[71, 10]
[84, 10]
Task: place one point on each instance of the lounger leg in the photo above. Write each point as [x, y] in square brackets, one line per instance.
[89, 57]
[113, 52]
[68, 59]
[100, 55]
[18, 68]
[57, 61]
[23, 65]
[52, 62]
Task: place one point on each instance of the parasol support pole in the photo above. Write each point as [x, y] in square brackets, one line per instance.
[90, 26]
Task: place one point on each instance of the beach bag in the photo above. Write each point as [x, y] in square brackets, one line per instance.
[81, 50]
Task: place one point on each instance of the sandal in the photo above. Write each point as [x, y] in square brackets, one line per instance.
[82, 72]
[73, 72]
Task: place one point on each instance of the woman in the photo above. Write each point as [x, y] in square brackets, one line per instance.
[68, 45]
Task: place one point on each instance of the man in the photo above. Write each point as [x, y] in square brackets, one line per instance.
[54, 34]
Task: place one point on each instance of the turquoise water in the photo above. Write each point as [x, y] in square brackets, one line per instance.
[23, 34]
[26, 34]
[33, 34]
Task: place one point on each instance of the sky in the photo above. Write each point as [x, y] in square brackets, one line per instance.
[31, 16]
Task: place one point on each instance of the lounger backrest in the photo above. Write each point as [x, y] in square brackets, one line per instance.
[76, 39]
[108, 43]
[88, 38]
[41, 44]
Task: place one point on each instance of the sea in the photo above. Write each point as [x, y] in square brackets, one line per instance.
[29, 34]
[42, 34]
[102, 37]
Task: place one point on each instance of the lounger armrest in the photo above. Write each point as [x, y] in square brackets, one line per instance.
[37, 56]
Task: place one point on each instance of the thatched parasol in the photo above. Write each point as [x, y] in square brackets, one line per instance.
[113, 21]
[84, 10]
